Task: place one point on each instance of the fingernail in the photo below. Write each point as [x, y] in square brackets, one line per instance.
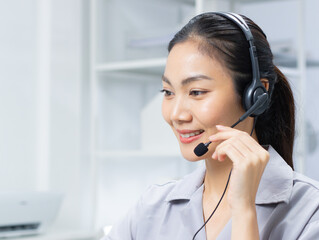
[219, 126]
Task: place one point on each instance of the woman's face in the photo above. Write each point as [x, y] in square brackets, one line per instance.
[199, 94]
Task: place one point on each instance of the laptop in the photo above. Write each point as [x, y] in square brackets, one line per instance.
[27, 213]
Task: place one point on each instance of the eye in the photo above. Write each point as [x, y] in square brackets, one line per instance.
[167, 93]
[197, 92]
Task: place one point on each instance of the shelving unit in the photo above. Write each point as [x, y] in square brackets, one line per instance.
[128, 57]
[127, 61]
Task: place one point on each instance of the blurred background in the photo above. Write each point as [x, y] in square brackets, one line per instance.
[80, 103]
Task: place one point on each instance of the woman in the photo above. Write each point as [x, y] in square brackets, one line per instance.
[208, 69]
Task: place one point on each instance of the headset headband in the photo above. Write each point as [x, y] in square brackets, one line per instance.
[237, 19]
[255, 89]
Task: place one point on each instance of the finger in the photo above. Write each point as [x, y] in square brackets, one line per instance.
[240, 145]
[217, 154]
[254, 147]
[233, 154]
[249, 142]
[255, 153]
[218, 147]
[245, 138]
[243, 148]
[224, 135]
[224, 128]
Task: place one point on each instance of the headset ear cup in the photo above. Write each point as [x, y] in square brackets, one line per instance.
[251, 95]
[263, 107]
[248, 97]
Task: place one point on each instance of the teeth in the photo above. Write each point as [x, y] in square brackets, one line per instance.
[187, 135]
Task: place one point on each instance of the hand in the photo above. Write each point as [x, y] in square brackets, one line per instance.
[249, 161]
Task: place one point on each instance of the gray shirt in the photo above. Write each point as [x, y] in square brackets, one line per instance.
[287, 205]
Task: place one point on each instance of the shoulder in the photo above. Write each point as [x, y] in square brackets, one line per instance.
[305, 188]
[175, 190]
[305, 181]
[280, 183]
[306, 196]
[296, 216]
[144, 213]
[158, 192]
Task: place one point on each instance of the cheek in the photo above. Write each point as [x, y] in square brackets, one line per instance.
[209, 112]
[218, 111]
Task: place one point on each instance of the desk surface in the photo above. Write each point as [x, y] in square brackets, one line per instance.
[65, 235]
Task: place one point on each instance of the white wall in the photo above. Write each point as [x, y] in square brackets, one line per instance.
[55, 40]
[17, 95]
[69, 81]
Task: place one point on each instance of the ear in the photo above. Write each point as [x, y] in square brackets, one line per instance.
[265, 82]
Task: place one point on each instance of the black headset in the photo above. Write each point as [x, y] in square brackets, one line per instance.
[255, 89]
[255, 98]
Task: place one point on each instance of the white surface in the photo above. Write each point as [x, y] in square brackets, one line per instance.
[43, 68]
[68, 145]
[126, 65]
[62, 235]
[107, 229]
[18, 95]
[60, 162]
[24, 208]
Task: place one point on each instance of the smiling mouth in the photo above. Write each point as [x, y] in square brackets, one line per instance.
[188, 135]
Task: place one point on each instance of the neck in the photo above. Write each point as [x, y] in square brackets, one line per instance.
[217, 172]
[216, 177]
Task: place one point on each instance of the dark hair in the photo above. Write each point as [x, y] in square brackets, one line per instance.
[222, 39]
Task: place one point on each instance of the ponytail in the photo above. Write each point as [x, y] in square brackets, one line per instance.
[276, 126]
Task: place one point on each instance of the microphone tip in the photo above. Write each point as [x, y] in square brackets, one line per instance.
[200, 149]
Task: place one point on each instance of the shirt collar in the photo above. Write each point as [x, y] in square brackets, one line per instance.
[275, 185]
[187, 186]
[276, 182]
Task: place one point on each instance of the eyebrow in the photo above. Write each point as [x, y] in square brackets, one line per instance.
[189, 79]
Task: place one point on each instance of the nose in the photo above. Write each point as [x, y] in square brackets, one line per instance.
[181, 111]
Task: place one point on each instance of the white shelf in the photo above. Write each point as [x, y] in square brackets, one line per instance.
[137, 153]
[131, 65]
